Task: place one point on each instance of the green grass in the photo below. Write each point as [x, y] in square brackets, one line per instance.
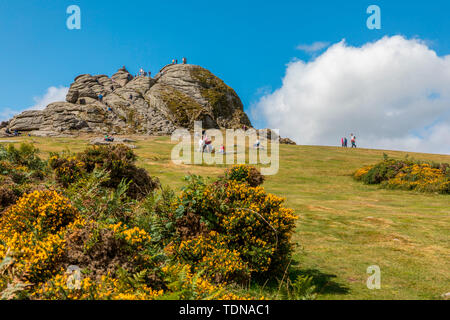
[344, 226]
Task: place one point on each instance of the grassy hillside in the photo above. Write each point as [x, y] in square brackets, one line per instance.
[344, 226]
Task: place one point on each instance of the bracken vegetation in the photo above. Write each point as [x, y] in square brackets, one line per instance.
[407, 175]
[92, 225]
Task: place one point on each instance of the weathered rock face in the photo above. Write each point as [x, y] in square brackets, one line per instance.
[176, 97]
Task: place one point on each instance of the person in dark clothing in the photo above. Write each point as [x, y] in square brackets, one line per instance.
[345, 142]
[184, 60]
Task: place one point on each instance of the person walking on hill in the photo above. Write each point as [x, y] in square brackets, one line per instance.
[353, 140]
[100, 97]
[184, 60]
[345, 142]
[342, 142]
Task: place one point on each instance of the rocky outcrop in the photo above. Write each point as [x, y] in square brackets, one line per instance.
[287, 141]
[177, 96]
[270, 134]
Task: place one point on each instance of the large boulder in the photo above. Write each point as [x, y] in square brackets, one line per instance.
[122, 77]
[220, 105]
[178, 96]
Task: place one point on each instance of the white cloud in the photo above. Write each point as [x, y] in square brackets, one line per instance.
[393, 94]
[53, 94]
[312, 48]
[6, 114]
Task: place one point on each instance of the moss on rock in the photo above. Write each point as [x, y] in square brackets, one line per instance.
[183, 108]
[223, 99]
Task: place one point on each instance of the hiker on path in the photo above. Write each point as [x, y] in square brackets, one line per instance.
[100, 97]
[353, 140]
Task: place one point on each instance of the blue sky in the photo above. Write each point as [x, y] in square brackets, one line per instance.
[246, 43]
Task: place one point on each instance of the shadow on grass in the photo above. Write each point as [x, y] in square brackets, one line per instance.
[324, 282]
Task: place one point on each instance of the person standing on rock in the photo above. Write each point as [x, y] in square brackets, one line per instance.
[184, 60]
[100, 97]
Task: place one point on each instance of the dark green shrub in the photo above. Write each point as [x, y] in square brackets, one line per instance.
[26, 155]
[119, 162]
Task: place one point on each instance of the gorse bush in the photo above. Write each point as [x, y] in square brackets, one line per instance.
[407, 175]
[240, 228]
[116, 261]
[134, 246]
[32, 232]
[243, 173]
[67, 169]
[21, 170]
